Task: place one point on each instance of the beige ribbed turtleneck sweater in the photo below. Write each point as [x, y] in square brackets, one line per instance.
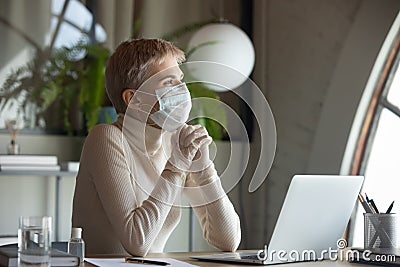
[118, 217]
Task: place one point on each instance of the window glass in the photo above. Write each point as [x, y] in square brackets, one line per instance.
[77, 14]
[394, 91]
[383, 163]
[382, 170]
[68, 35]
[56, 6]
[75, 25]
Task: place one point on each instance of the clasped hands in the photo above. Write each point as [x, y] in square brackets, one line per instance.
[189, 151]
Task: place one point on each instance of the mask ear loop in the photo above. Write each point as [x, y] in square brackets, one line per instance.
[135, 105]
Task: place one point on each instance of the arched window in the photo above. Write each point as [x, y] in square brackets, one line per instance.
[377, 125]
[71, 22]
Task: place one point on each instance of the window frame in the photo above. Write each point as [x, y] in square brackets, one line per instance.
[377, 103]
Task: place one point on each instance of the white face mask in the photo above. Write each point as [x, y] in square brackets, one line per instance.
[175, 105]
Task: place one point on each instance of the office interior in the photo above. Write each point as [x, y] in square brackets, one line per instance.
[313, 62]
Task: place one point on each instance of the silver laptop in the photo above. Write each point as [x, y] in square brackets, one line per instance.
[311, 223]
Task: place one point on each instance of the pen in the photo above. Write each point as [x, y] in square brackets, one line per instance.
[145, 261]
[372, 204]
[365, 205]
[390, 207]
[366, 197]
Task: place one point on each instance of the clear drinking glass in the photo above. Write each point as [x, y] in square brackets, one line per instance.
[381, 230]
[34, 241]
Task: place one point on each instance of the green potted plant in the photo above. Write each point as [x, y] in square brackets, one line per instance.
[66, 93]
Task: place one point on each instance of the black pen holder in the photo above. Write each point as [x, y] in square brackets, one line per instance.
[381, 230]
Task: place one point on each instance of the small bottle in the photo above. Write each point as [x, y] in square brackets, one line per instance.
[76, 245]
[13, 148]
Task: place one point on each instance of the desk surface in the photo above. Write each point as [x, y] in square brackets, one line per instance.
[185, 256]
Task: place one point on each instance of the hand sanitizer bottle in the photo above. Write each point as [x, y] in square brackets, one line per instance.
[76, 245]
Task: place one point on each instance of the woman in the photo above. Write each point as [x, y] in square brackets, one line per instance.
[133, 172]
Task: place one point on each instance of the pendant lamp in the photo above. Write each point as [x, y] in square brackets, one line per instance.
[229, 48]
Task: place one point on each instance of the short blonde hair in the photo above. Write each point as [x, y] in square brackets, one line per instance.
[130, 64]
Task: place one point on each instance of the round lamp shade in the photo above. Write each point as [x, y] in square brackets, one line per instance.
[227, 46]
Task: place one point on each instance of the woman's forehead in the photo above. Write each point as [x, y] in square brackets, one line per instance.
[161, 73]
[168, 66]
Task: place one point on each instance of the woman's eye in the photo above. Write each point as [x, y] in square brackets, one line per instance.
[169, 82]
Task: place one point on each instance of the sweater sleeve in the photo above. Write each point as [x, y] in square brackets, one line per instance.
[135, 226]
[219, 221]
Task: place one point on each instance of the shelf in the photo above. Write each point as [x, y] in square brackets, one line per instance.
[38, 173]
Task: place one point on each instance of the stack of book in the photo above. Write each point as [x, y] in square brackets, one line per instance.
[29, 163]
[9, 257]
[70, 166]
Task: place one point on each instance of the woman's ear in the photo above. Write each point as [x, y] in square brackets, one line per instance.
[127, 95]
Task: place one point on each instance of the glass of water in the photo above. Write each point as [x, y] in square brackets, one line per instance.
[34, 241]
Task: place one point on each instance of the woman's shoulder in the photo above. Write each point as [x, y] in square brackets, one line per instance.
[104, 130]
[104, 133]
[102, 147]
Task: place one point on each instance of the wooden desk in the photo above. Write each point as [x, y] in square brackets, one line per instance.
[185, 257]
